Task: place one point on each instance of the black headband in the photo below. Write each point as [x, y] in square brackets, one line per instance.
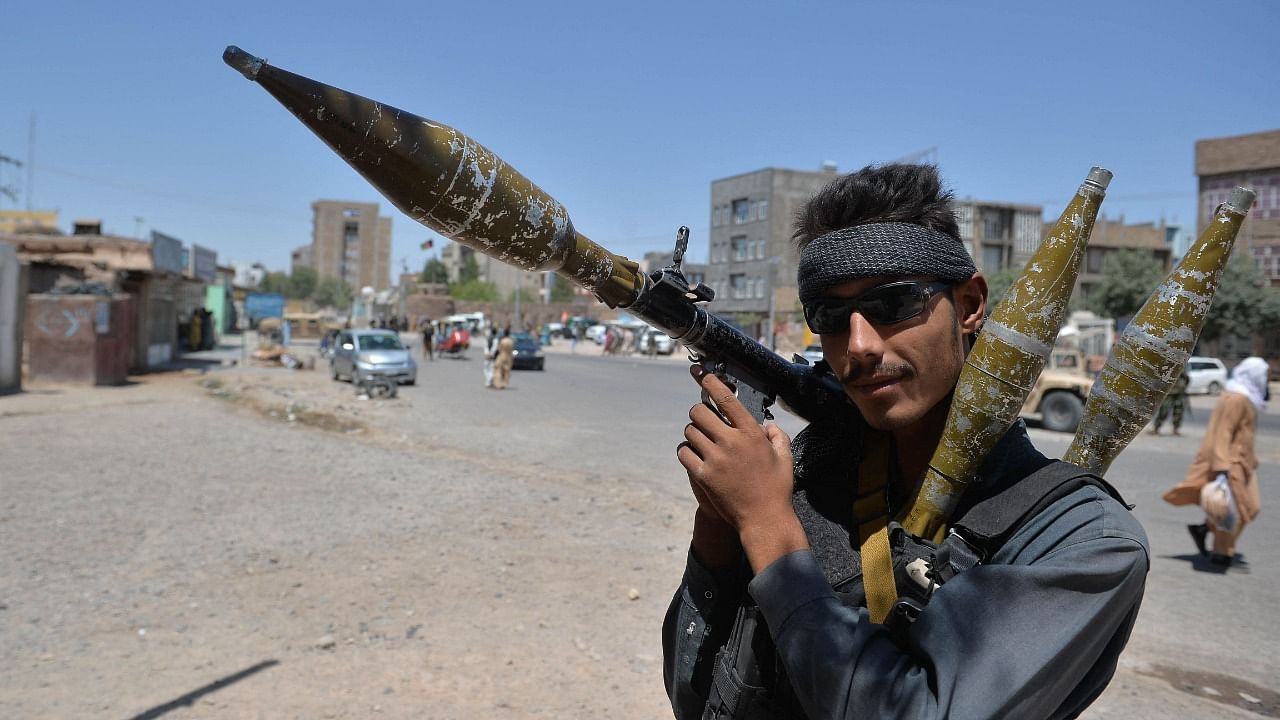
[891, 249]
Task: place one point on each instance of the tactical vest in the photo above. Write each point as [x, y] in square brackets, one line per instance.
[749, 682]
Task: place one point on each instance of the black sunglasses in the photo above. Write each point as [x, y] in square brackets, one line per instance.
[881, 305]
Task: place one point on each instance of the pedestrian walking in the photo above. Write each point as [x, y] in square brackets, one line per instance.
[1175, 402]
[505, 359]
[490, 355]
[428, 339]
[1223, 477]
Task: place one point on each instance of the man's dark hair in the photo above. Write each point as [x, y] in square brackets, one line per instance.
[896, 192]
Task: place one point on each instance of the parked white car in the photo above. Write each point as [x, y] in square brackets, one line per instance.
[661, 343]
[595, 333]
[1206, 375]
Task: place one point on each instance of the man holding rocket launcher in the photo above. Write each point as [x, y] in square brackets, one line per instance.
[910, 554]
[1034, 631]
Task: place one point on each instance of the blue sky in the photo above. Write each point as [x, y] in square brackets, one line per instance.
[625, 113]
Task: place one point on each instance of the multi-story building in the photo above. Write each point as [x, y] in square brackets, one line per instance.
[752, 260]
[657, 259]
[1110, 236]
[300, 257]
[999, 235]
[350, 241]
[505, 278]
[1254, 162]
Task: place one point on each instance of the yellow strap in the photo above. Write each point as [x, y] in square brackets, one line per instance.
[872, 514]
[877, 575]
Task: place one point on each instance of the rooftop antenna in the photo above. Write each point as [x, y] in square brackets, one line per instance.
[927, 156]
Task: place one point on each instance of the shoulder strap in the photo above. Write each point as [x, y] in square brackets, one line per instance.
[989, 523]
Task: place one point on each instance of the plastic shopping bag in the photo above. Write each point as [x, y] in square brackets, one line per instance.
[1219, 504]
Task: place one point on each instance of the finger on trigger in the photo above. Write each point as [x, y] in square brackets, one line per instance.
[707, 420]
[727, 402]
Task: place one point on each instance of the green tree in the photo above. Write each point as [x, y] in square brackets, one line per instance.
[470, 270]
[332, 292]
[998, 284]
[1128, 277]
[526, 295]
[275, 282]
[1243, 304]
[476, 290]
[302, 283]
[434, 272]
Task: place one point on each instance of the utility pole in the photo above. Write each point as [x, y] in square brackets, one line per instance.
[519, 292]
[31, 160]
[9, 190]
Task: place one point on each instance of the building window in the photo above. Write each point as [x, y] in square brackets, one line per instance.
[351, 213]
[740, 248]
[763, 211]
[995, 226]
[738, 285]
[992, 258]
[741, 208]
[1094, 259]
[759, 287]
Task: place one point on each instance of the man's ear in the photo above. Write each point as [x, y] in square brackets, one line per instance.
[970, 298]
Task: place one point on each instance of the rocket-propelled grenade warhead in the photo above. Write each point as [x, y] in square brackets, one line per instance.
[1150, 354]
[448, 182]
[1004, 363]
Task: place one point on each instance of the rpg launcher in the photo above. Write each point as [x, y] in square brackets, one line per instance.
[454, 185]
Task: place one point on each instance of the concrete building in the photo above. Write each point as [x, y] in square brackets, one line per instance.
[752, 260]
[148, 273]
[999, 235]
[26, 221]
[506, 278]
[300, 257]
[350, 241]
[656, 260]
[1252, 161]
[1114, 235]
[249, 275]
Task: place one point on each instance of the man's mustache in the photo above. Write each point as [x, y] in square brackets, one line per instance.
[858, 371]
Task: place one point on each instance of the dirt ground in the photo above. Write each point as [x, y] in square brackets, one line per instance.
[183, 548]
[263, 544]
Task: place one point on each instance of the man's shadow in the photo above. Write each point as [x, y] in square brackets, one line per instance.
[1201, 563]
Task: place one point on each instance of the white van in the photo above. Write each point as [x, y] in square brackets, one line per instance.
[1206, 375]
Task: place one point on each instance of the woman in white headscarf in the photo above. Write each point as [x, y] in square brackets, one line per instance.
[1223, 477]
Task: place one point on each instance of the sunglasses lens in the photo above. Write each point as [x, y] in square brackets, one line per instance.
[882, 306]
[829, 317]
[892, 305]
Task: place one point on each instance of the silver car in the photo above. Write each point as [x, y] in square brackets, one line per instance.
[361, 354]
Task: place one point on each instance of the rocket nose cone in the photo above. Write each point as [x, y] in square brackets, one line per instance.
[247, 64]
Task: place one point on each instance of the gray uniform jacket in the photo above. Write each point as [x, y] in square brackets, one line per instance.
[1033, 632]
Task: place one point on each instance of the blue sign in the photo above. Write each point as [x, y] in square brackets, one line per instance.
[263, 305]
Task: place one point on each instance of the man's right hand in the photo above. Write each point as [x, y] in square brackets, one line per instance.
[715, 542]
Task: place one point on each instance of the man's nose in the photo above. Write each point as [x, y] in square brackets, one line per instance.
[864, 341]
